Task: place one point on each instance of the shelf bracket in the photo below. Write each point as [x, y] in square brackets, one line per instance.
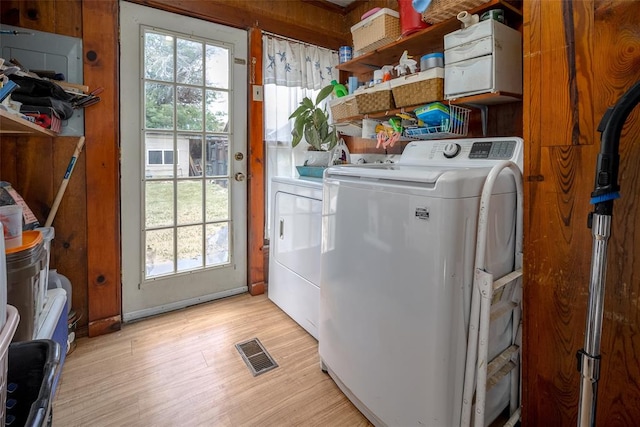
[484, 112]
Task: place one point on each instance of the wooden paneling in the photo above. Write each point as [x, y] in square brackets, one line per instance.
[59, 17]
[579, 58]
[295, 19]
[69, 247]
[256, 214]
[35, 168]
[100, 50]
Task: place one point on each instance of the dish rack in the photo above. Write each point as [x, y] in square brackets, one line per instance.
[453, 124]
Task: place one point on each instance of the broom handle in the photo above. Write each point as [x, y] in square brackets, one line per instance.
[65, 182]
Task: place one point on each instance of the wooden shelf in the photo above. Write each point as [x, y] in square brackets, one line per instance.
[494, 98]
[430, 39]
[10, 124]
[481, 99]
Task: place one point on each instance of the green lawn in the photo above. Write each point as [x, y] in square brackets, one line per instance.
[159, 217]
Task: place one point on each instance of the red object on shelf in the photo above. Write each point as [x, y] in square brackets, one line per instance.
[410, 20]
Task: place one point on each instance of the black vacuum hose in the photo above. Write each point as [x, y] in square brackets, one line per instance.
[606, 183]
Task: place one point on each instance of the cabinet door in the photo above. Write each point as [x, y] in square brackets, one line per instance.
[296, 234]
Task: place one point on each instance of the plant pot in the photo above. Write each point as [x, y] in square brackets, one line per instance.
[311, 171]
[317, 158]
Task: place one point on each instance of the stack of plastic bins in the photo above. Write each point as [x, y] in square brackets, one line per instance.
[24, 266]
[6, 334]
[31, 371]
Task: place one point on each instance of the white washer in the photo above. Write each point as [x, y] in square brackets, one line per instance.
[397, 269]
[294, 249]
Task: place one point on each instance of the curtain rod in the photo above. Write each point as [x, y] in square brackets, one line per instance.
[278, 36]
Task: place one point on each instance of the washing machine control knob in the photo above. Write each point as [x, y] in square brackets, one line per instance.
[451, 150]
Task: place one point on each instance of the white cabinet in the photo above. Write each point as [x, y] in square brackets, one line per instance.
[483, 58]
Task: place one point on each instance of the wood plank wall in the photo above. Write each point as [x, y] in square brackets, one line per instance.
[579, 58]
[35, 166]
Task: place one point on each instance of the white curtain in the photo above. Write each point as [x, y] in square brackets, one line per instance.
[291, 64]
[291, 72]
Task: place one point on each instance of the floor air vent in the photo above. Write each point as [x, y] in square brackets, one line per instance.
[256, 357]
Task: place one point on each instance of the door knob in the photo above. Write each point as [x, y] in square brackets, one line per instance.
[239, 176]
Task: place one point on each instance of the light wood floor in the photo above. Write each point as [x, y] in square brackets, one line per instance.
[182, 369]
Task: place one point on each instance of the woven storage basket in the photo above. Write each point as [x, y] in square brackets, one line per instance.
[441, 10]
[420, 88]
[344, 107]
[377, 30]
[378, 98]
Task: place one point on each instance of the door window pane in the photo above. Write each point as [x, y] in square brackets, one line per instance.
[217, 111]
[189, 202]
[189, 248]
[158, 106]
[217, 200]
[158, 58]
[158, 199]
[189, 108]
[217, 155]
[217, 244]
[217, 74]
[159, 253]
[189, 59]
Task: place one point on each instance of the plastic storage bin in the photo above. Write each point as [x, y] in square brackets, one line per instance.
[483, 58]
[24, 274]
[6, 334]
[31, 372]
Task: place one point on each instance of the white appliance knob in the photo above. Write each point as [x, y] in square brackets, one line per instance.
[451, 150]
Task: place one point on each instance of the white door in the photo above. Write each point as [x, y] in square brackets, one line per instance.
[183, 118]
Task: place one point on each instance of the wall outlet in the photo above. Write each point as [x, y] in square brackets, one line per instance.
[257, 93]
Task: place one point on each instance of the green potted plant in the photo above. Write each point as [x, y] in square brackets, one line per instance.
[312, 123]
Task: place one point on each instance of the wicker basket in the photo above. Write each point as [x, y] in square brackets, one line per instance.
[378, 98]
[344, 107]
[377, 30]
[441, 10]
[420, 88]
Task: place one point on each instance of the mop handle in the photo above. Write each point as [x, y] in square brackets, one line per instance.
[65, 182]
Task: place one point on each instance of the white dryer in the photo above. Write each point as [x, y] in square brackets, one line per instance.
[397, 271]
[294, 249]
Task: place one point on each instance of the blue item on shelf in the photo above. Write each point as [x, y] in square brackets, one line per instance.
[437, 114]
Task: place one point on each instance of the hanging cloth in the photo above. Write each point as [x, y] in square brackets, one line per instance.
[292, 64]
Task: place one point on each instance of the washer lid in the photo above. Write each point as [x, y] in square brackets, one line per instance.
[395, 172]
